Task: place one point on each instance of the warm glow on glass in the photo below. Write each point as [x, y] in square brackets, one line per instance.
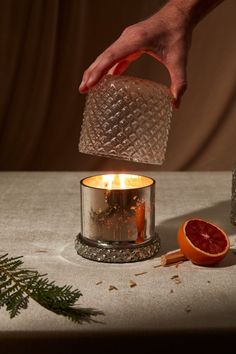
[121, 181]
[108, 181]
[117, 181]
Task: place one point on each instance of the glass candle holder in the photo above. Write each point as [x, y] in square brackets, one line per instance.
[127, 118]
[117, 218]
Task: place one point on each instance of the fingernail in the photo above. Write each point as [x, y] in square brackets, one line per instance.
[82, 85]
[174, 99]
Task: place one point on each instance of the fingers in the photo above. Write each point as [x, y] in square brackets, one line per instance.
[178, 75]
[176, 65]
[124, 50]
[178, 92]
[94, 73]
[120, 67]
[118, 52]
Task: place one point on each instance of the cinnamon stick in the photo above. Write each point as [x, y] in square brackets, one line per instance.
[172, 257]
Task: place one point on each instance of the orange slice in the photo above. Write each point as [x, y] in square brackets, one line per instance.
[202, 242]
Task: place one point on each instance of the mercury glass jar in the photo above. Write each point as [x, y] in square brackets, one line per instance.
[117, 218]
[233, 197]
[127, 118]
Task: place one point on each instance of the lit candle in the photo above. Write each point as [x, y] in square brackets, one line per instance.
[118, 208]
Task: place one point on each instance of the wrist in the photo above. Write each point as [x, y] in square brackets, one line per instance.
[194, 10]
[180, 13]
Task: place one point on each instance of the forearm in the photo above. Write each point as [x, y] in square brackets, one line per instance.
[195, 10]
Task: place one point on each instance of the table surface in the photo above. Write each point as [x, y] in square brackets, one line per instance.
[40, 218]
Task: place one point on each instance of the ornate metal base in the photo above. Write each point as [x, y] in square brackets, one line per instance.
[116, 253]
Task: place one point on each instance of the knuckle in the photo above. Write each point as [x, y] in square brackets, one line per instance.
[137, 31]
[128, 30]
[136, 35]
[142, 34]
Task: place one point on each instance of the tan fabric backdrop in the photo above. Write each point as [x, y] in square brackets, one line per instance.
[46, 44]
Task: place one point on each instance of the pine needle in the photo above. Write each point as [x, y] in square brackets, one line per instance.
[18, 285]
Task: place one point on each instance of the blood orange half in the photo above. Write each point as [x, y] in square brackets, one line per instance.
[202, 242]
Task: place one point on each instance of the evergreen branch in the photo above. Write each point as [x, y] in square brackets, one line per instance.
[18, 284]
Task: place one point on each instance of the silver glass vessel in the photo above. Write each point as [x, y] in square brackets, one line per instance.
[117, 223]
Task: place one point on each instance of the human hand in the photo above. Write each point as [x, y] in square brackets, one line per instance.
[166, 36]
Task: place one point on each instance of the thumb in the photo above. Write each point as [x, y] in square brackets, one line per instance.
[123, 64]
[178, 77]
[119, 68]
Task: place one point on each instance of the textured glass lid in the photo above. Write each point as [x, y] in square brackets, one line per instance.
[127, 118]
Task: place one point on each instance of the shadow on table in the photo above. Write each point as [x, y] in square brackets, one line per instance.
[144, 342]
[218, 213]
[80, 315]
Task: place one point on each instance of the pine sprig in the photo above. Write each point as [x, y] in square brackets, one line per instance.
[18, 285]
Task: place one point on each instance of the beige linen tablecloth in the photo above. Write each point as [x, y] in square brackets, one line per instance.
[40, 218]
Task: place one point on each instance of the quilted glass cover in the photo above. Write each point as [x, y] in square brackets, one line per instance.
[127, 118]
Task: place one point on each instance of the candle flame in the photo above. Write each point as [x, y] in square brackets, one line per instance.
[119, 181]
